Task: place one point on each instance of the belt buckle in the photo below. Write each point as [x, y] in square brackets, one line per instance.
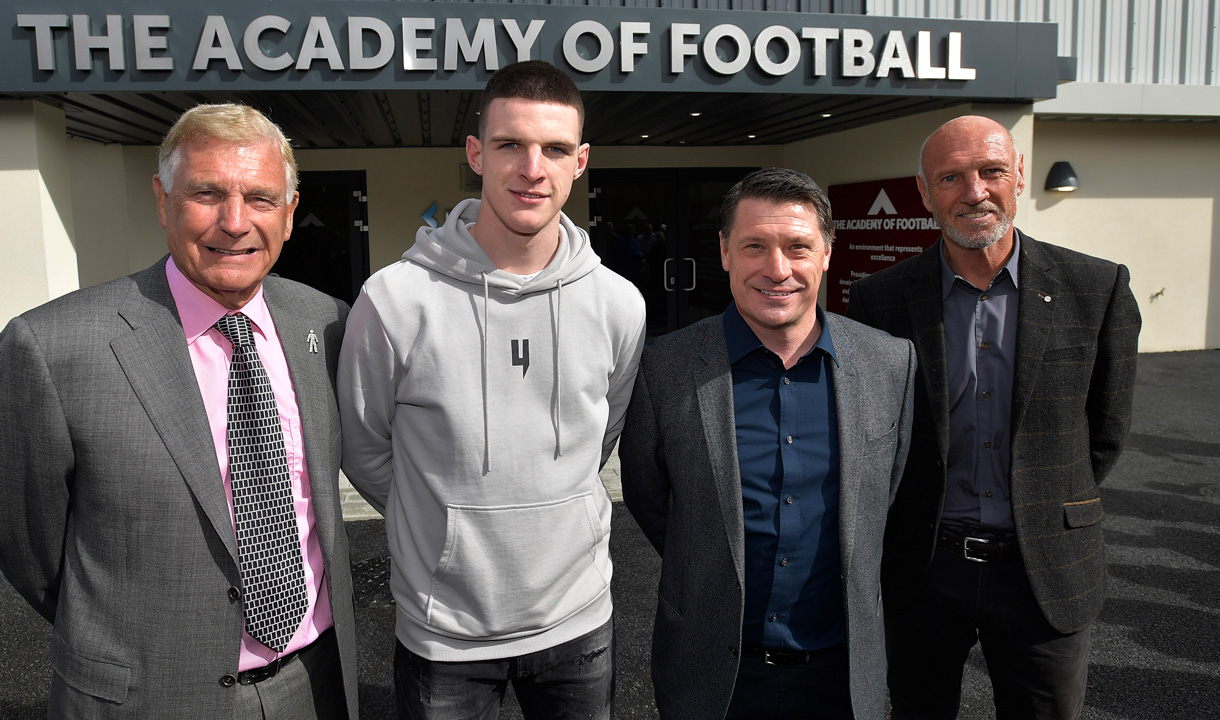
[966, 548]
[767, 657]
[257, 675]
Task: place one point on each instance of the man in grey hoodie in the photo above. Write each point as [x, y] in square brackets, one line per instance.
[483, 383]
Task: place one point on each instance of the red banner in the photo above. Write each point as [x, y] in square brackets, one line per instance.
[877, 224]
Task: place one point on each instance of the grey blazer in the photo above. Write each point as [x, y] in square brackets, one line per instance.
[1077, 334]
[681, 482]
[114, 524]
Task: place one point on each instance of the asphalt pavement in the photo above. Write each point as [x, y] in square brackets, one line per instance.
[1156, 647]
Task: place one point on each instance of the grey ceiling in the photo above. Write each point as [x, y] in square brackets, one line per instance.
[320, 119]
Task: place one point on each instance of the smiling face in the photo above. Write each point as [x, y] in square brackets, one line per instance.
[529, 155]
[775, 256]
[970, 178]
[227, 216]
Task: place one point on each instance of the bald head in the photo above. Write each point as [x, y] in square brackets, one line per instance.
[966, 131]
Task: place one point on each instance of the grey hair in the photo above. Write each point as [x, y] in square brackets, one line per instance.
[228, 122]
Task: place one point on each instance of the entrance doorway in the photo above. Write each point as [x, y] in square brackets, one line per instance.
[329, 246]
[659, 228]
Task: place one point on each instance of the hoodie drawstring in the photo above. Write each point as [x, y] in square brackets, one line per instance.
[558, 375]
[486, 422]
[556, 368]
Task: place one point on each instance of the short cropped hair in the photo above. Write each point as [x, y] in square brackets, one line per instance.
[535, 80]
[227, 122]
[779, 185]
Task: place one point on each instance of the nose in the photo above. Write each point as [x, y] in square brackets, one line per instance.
[974, 189]
[531, 166]
[777, 267]
[234, 217]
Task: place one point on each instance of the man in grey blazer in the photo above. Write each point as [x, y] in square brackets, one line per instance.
[761, 452]
[120, 481]
[1023, 401]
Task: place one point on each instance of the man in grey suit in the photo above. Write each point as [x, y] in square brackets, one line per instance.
[169, 455]
[760, 455]
[1026, 370]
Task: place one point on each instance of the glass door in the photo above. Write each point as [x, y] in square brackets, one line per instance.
[659, 228]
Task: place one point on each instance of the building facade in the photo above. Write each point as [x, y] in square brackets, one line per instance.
[682, 99]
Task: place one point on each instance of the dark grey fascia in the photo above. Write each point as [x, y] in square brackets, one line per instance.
[56, 46]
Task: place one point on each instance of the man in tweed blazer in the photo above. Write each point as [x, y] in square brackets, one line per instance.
[1022, 403]
[761, 451]
[116, 526]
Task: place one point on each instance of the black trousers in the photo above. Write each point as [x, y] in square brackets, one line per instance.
[1036, 672]
[816, 690]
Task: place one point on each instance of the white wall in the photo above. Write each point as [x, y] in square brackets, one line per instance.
[36, 236]
[1149, 196]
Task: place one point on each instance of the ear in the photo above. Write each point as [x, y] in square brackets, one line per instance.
[162, 198]
[1020, 174]
[724, 252]
[826, 257]
[923, 193]
[582, 160]
[292, 208]
[474, 154]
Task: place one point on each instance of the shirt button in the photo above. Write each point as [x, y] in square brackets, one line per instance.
[788, 439]
[986, 443]
[787, 380]
[986, 393]
[985, 345]
[783, 562]
[983, 297]
[788, 499]
[773, 618]
[988, 493]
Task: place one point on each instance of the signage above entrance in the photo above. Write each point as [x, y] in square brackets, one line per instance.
[240, 45]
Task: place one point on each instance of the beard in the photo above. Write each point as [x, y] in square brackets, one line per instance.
[977, 240]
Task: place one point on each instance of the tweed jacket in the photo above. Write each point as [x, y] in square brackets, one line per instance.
[1077, 331]
[682, 483]
[115, 526]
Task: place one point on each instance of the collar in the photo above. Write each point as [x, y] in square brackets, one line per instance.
[741, 340]
[948, 277]
[199, 312]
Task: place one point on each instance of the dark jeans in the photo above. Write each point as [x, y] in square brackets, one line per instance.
[571, 680]
[1036, 671]
[816, 690]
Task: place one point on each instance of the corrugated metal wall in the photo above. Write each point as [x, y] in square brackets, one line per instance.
[1172, 42]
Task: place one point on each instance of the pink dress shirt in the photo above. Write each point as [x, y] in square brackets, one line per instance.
[210, 355]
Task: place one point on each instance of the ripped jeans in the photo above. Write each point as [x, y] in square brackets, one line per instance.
[569, 681]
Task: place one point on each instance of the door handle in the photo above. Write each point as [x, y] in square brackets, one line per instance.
[667, 279]
[693, 268]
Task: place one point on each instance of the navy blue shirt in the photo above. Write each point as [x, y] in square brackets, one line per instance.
[788, 453]
[981, 354]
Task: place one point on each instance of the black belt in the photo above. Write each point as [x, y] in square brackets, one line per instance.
[784, 657]
[257, 675]
[976, 548]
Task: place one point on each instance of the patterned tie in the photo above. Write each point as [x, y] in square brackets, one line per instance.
[268, 546]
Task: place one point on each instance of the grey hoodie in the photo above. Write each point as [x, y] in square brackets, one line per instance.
[477, 410]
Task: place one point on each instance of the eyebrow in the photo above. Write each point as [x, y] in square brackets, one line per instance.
[570, 146]
[194, 186]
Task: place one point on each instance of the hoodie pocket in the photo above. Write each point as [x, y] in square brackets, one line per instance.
[514, 570]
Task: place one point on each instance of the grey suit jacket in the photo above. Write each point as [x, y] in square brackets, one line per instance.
[681, 482]
[114, 524]
[1077, 334]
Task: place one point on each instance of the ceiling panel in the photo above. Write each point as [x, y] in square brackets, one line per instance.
[408, 118]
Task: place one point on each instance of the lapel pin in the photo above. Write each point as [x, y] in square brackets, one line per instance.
[312, 339]
[1046, 298]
